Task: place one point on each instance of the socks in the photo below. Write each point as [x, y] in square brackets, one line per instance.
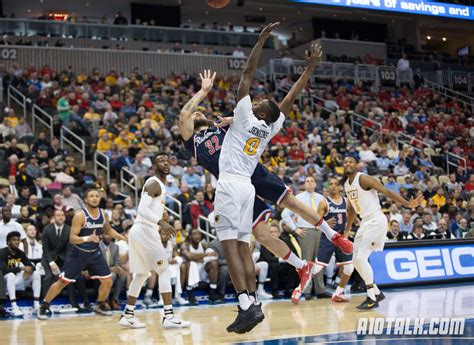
[244, 300]
[129, 310]
[14, 305]
[376, 289]
[339, 291]
[213, 286]
[253, 296]
[168, 311]
[371, 293]
[324, 227]
[149, 292]
[36, 304]
[293, 260]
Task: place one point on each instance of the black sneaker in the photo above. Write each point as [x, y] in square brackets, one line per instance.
[380, 297]
[43, 312]
[4, 314]
[102, 309]
[213, 297]
[368, 304]
[191, 299]
[248, 319]
[325, 294]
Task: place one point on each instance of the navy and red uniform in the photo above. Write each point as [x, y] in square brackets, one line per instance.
[87, 256]
[206, 148]
[326, 247]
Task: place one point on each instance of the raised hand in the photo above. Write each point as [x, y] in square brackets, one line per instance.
[314, 55]
[413, 203]
[223, 121]
[267, 30]
[207, 80]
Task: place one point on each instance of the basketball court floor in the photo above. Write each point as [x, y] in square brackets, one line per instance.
[311, 322]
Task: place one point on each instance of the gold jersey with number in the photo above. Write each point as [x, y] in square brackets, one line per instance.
[246, 140]
[365, 202]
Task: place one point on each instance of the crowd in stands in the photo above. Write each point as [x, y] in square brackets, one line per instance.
[129, 117]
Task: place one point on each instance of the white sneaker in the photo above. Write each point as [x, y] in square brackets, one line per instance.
[264, 295]
[147, 301]
[181, 301]
[174, 322]
[130, 322]
[16, 312]
[160, 303]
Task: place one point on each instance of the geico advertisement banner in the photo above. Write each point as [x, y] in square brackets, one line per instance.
[423, 264]
[428, 8]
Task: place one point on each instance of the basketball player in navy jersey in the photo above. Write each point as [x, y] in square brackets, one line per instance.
[204, 139]
[87, 226]
[336, 207]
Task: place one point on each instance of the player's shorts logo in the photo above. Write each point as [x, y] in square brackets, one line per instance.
[159, 263]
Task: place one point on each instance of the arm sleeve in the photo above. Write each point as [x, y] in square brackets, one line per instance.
[286, 217]
[145, 211]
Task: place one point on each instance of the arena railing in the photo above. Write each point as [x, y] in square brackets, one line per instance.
[452, 84]
[75, 141]
[207, 230]
[102, 161]
[60, 29]
[39, 115]
[129, 179]
[123, 61]
[453, 160]
[13, 94]
[179, 214]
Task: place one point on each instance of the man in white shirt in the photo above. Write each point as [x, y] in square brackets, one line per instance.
[72, 199]
[394, 214]
[8, 225]
[406, 225]
[238, 53]
[366, 155]
[307, 234]
[403, 64]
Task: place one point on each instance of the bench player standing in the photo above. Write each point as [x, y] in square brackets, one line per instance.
[146, 252]
[336, 207]
[361, 190]
[87, 225]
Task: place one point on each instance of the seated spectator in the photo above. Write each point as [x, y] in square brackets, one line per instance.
[8, 225]
[224, 277]
[13, 149]
[238, 53]
[201, 265]
[114, 193]
[406, 226]
[366, 155]
[428, 224]
[191, 179]
[442, 232]
[400, 169]
[394, 234]
[24, 218]
[200, 207]
[175, 168]
[123, 161]
[383, 162]
[110, 251]
[462, 228]
[22, 177]
[129, 209]
[18, 272]
[33, 168]
[31, 247]
[439, 199]
[417, 233]
[394, 213]
[71, 199]
[23, 197]
[392, 184]
[116, 220]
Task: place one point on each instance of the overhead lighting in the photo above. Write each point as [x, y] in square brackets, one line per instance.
[428, 37]
[445, 39]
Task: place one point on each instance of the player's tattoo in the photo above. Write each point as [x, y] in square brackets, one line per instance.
[192, 102]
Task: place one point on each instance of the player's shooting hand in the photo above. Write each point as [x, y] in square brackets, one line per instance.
[267, 30]
[413, 203]
[168, 229]
[332, 222]
[94, 238]
[224, 121]
[301, 232]
[314, 55]
[207, 80]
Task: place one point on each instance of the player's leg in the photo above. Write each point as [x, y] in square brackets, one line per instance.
[212, 270]
[307, 213]
[10, 282]
[261, 268]
[75, 263]
[249, 267]
[344, 261]
[100, 270]
[35, 283]
[275, 245]
[151, 283]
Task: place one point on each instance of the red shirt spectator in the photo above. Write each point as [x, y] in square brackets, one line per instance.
[295, 132]
[200, 207]
[281, 137]
[296, 153]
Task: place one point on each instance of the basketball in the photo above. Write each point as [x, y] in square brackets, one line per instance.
[217, 3]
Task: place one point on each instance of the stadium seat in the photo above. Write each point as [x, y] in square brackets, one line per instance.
[384, 179]
[434, 179]
[401, 179]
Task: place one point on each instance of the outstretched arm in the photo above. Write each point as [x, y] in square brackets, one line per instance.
[368, 182]
[186, 123]
[252, 62]
[311, 59]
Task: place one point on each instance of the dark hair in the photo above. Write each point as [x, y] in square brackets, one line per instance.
[273, 111]
[161, 153]
[393, 221]
[351, 156]
[334, 178]
[92, 189]
[12, 234]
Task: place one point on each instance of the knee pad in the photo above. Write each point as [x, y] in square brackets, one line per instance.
[348, 269]
[164, 281]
